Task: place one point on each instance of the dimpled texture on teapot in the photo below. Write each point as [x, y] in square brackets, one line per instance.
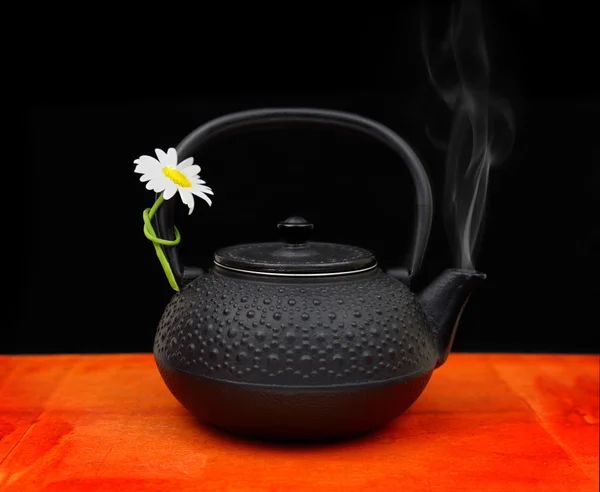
[303, 334]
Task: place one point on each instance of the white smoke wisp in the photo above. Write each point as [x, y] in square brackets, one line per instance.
[482, 130]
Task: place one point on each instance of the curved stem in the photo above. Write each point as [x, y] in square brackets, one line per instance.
[159, 201]
[158, 242]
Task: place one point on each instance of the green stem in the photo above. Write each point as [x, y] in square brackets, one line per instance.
[159, 243]
[159, 201]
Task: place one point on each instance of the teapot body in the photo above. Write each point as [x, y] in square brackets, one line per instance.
[300, 339]
[295, 357]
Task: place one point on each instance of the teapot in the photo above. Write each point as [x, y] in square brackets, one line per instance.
[297, 339]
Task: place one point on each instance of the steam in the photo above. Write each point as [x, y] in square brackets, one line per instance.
[482, 130]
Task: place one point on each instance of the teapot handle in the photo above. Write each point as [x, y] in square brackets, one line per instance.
[243, 120]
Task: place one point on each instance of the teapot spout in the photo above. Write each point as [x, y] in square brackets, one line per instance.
[444, 300]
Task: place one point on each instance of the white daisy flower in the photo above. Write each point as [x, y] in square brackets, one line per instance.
[164, 175]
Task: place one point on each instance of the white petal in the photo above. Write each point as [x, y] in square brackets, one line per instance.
[142, 168]
[148, 169]
[152, 174]
[145, 163]
[170, 190]
[202, 189]
[202, 195]
[171, 158]
[185, 163]
[146, 158]
[187, 198]
[191, 171]
[184, 194]
[162, 157]
[155, 185]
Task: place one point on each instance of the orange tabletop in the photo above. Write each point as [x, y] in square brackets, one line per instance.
[485, 423]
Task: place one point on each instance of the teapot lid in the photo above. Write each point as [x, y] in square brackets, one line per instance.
[295, 255]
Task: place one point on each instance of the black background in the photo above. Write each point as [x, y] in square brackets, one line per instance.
[94, 89]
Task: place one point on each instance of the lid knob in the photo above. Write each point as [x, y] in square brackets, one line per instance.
[295, 230]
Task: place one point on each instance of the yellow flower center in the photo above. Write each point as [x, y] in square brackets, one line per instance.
[177, 177]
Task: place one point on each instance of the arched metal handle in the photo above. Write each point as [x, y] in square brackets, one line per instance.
[276, 117]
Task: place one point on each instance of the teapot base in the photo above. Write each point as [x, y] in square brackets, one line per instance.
[288, 413]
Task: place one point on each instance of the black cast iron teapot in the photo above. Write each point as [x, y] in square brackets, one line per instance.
[300, 339]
